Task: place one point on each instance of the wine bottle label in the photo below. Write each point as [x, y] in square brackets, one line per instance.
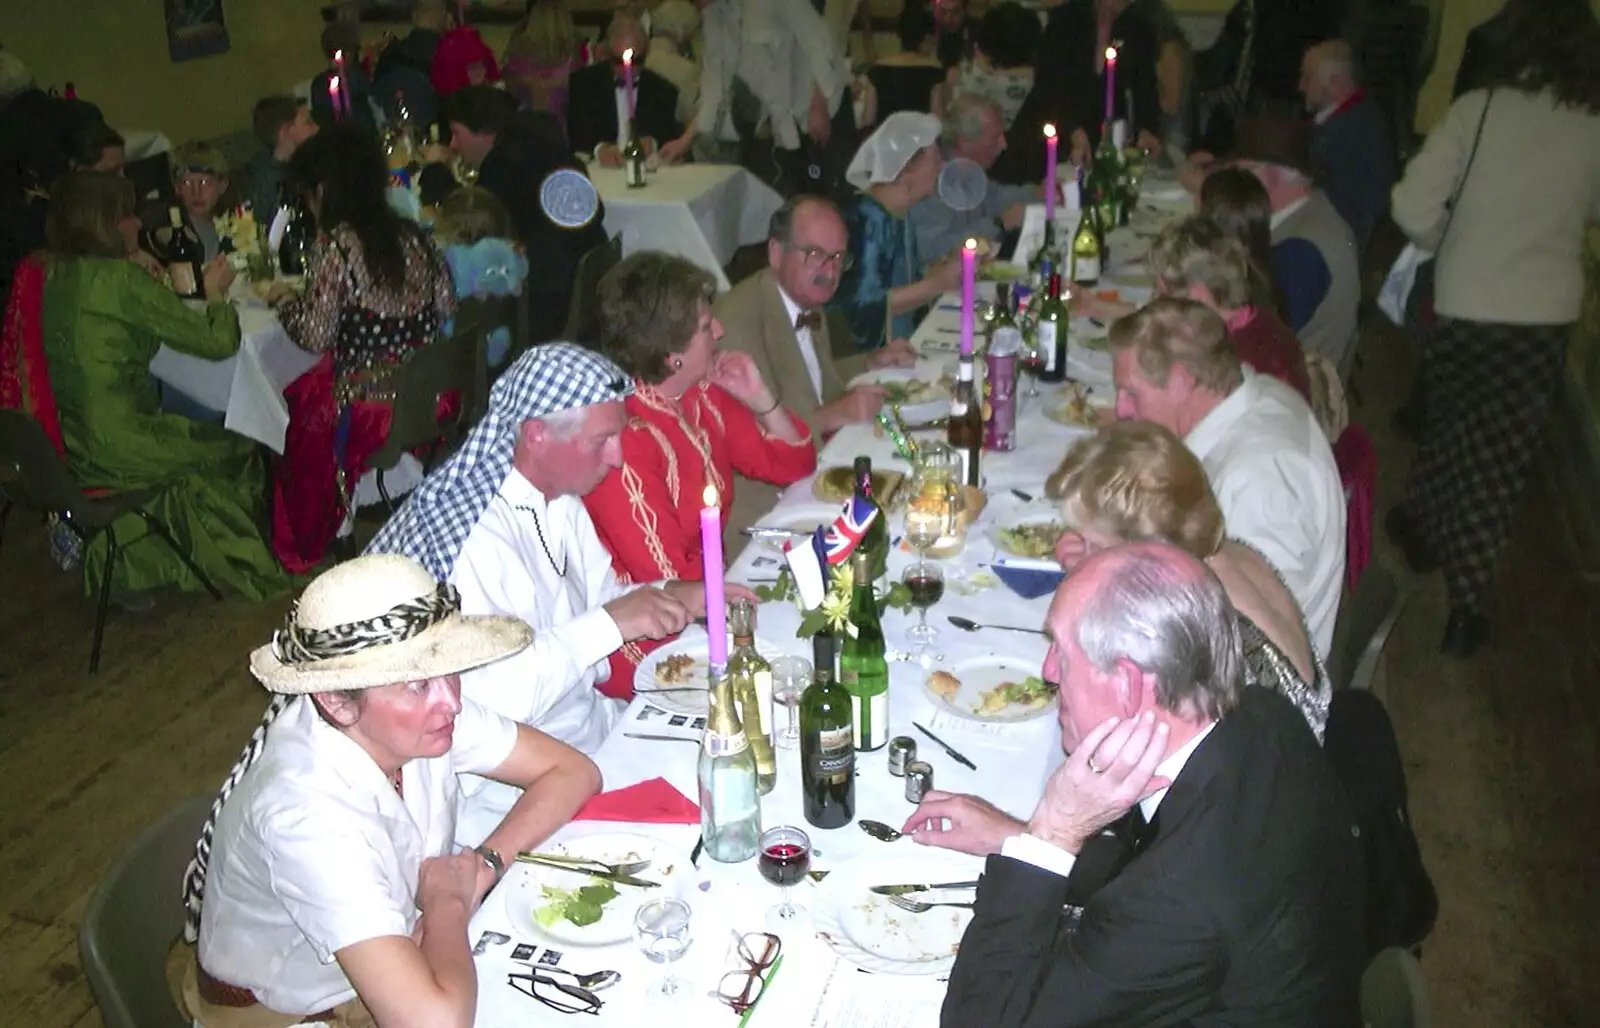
[870, 725]
[835, 758]
[1045, 333]
[182, 277]
[958, 408]
[725, 745]
[1088, 269]
[961, 456]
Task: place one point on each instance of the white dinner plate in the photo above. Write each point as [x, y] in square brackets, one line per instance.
[800, 517]
[524, 890]
[979, 675]
[868, 931]
[696, 673]
[934, 398]
[1027, 520]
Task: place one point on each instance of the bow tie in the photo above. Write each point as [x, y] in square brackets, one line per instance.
[811, 319]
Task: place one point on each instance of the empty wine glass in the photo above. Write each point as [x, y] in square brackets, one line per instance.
[925, 581]
[662, 930]
[790, 676]
[1031, 360]
[785, 857]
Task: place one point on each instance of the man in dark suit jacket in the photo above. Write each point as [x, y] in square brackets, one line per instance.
[517, 156]
[1239, 902]
[1350, 143]
[595, 94]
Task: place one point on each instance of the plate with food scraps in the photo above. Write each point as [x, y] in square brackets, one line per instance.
[685, 664]
[918, 394]
[802, 517]
[992, 689]
[867, 930]
[581, 910]
[1032, 536]
[838, 483]
[1072, 407]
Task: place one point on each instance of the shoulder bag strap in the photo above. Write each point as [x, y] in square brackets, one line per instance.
[1461, 184]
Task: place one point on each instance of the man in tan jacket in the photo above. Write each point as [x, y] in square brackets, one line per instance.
[776, 316]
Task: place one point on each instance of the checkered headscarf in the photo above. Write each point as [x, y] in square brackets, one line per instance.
[436, 519]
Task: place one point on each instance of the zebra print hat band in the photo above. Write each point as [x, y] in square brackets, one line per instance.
[296, 644]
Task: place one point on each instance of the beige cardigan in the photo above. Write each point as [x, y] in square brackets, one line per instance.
[1512, 251]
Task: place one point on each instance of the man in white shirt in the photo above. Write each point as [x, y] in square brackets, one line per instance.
[1235, 887]
[776, 316]
[504, 522]
[1270, 466]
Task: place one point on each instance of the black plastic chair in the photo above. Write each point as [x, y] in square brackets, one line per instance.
[455, 364]
[33, 475]
[134, 917]
[1393, 993]
[497, 312]
[583, 311]
[1368, 617]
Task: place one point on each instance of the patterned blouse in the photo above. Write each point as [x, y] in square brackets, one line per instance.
[1268, 666]
[370, 328]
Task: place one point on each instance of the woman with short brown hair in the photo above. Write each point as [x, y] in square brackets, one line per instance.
[1134, 481]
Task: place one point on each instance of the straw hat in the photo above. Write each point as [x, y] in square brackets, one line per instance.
[378, 620]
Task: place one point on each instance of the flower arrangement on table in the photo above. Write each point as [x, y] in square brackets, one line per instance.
[239, 236]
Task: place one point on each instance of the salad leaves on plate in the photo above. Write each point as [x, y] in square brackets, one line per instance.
[582, 906]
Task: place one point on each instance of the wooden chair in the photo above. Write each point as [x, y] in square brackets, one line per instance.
[1368, 616]
[33, 475]
[454, 364]
[583, 312]
[133, 918]
[1393, 993]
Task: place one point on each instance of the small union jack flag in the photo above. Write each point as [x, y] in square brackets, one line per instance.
[832, 544]
[848, 529]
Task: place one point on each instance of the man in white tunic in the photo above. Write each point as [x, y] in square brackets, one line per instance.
[1268, 461]
[504, 522]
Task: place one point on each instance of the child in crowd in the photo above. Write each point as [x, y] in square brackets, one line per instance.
[473, 230]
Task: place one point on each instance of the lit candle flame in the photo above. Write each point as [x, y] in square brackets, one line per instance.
[1049, 131]
[972, 244]
[1111, 55]
[627, 56]
[333, 84]
[710, 495]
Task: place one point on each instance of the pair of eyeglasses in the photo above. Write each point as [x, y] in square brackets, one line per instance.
[562, 997]
[816, 257]
[742, 989]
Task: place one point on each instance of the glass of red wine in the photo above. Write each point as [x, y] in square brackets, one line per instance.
[925, 581]
[785, 857]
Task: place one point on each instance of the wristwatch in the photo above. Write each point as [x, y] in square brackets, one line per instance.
[492, 858]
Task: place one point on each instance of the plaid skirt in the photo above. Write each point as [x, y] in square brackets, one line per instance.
[1487, 391]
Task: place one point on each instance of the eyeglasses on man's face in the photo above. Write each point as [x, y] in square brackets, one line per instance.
[741, 989]
[562, 997]
[817, 257]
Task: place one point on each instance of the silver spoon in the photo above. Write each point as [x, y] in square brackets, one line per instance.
[968, 625]
[878, 830]
[594, 982]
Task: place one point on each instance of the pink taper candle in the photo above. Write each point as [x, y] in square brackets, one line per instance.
[627, 78]
[343, 107]
[711, 572]
[969, 266]
[1111, 79]
[333, 98]
[1049, 173]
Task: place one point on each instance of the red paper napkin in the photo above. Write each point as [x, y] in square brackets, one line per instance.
[650, 802]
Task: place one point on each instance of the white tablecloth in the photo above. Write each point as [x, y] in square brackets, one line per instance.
[815, 989]
[702, 212]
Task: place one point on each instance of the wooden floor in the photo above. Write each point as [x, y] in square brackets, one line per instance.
[1501, 753]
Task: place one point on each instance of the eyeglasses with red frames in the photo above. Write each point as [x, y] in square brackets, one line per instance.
[742, 989]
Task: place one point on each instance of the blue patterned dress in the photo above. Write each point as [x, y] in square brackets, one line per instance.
[884, 246]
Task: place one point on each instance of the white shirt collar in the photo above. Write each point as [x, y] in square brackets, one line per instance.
[788, 303]
[1288, 210]
[1214, 426]
[1170, 767]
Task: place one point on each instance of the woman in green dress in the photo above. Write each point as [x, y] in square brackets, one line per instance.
[102, 318]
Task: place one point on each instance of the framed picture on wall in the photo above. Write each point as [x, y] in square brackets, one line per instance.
[195, 28]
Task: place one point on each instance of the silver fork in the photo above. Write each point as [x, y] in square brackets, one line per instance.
[632, 867]
[919, 907]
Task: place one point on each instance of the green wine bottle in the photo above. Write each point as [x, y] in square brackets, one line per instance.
[1052, 333]
[827, 752]
[752, 690]
[863, 667]
[876, 541]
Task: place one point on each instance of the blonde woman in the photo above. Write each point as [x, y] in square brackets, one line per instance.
[542, 54]
[1134, 481]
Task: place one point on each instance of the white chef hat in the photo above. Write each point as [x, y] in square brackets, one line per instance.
[889, 149]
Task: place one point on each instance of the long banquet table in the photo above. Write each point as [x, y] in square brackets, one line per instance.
[815, 987]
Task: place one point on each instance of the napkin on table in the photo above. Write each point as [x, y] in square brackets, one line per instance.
[649, 802]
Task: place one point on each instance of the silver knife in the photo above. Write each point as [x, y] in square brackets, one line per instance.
[760, 530]
[901, 890]
[661, 738]
[593, 872]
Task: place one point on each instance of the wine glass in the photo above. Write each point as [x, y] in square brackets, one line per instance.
[925, 581]
[785, 857]
[1031, 361]
[661, 928]
[790, 676]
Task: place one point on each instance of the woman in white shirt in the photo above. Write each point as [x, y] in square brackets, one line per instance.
[324, 886]
[1501, 189]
